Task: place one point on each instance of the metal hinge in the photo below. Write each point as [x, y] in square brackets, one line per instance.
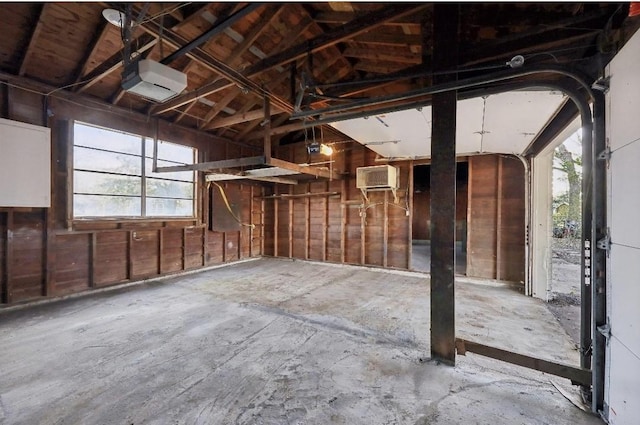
[604, 413]
[605, 330]
[605, 155]
[601, 84]
[604, 243]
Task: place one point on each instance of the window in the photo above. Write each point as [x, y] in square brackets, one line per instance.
[113, 176]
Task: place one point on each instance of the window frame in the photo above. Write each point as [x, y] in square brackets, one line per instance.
[143, 156]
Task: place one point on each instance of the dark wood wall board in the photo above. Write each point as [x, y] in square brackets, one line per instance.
[26, 106]
[232, 241]
[269, 221]
[282, 228]
[215, 248]
[421, 215]
[512, 221]
[482, 213]
[110, 263]
[48, 253]
[172, 250]
[496, 218]
[144, 253]
[193, 247]
[27, 255]
[72, 271]
[299, 229]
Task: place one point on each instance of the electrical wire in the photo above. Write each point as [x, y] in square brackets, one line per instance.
[226, 202]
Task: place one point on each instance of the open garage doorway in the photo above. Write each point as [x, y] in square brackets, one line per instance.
[566, 218]
[421, 227]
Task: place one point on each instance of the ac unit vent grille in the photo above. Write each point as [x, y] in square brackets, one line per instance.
[377, 177]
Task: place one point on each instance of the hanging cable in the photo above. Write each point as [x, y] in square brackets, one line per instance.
[226, 202]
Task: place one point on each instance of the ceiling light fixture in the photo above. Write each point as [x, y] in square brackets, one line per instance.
[326, 150]
[114, 17]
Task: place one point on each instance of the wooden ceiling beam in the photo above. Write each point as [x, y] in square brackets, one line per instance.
[268, 16]
[395, 56]
[342, 17]
[389, 39]
[220, 105]
[217, 29]
[207, 60]
[114, 62]
[37, 29]
[378, 67]
[250, 126]
[98, 37]
[334, 36]
[190, 65]
[186, 20]
[236, 119]
[587, 22]
[212, 86]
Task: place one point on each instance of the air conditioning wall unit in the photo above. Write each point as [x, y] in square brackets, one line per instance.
[153, 80]
[377, 177]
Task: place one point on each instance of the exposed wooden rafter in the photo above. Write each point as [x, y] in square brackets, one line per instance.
[267, 17]
[330, 38]
[342, 17]
[37, 29]
[384, 55]
[376, 38]
[321, 42]
[98, 37]
[215, 30]
[114, 62]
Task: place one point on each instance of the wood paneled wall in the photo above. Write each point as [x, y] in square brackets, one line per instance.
[330, 221]
[44, 252]
[496, 218]
[421, 216]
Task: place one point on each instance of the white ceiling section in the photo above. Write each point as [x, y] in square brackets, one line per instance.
[500, 123]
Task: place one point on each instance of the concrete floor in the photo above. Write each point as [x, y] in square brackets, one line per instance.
[276, 341]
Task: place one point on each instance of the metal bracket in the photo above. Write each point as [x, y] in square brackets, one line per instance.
[605, 155]
[604, 243]
[605, 330]
[604, 413]
[601, 84]
[587, 351]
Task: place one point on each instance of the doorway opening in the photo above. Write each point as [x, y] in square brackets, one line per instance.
[564, 289]
[421, 233]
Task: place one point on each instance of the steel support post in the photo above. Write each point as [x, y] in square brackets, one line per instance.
[599, 253]
[588, 246]
[443, 185]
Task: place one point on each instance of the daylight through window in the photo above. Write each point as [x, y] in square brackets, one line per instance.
[113, 176]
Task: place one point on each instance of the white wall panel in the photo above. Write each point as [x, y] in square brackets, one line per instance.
[622, 384]
[625, 296]
[624, 95]
[624, 404]
[625, 193]
[25, 165]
